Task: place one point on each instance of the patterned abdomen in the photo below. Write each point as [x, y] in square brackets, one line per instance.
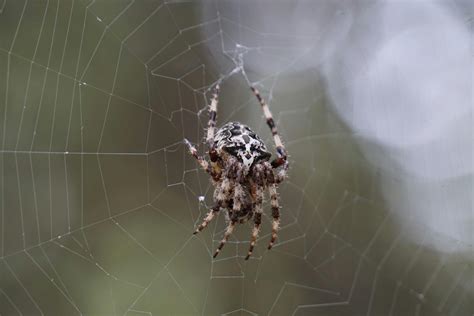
[240, 141]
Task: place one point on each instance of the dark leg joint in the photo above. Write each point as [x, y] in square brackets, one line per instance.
[271, 123]
[212, 116]
[213, 155]
[281, 152]
[278, 162]
[258, 218]
[255, 91]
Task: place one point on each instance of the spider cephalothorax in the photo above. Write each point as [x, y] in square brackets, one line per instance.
[241, 172]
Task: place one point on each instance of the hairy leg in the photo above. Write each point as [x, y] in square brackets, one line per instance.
[202, 162]
[257, 219]
[211, 125]
[275, 214]
[275, 176]
[228, 232]
[281, 151]
[210, 215]
[238, 198]
[221, 194]
[282, 173]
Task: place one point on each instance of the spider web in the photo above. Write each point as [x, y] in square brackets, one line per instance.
[99, 197]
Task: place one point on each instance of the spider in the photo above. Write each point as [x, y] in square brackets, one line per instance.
[241, 170]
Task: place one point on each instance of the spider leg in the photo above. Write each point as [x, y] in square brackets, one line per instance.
[220, 195]
[211, 124]
[210, 215]
[281, 174]
[236, 207]
[228, 232]
[202, 162]
[275, 214]
[257, 220]
[281, 151]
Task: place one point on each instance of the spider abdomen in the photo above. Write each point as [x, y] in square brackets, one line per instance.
[240, 141]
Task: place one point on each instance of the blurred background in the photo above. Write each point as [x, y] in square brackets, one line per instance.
[99, 197]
